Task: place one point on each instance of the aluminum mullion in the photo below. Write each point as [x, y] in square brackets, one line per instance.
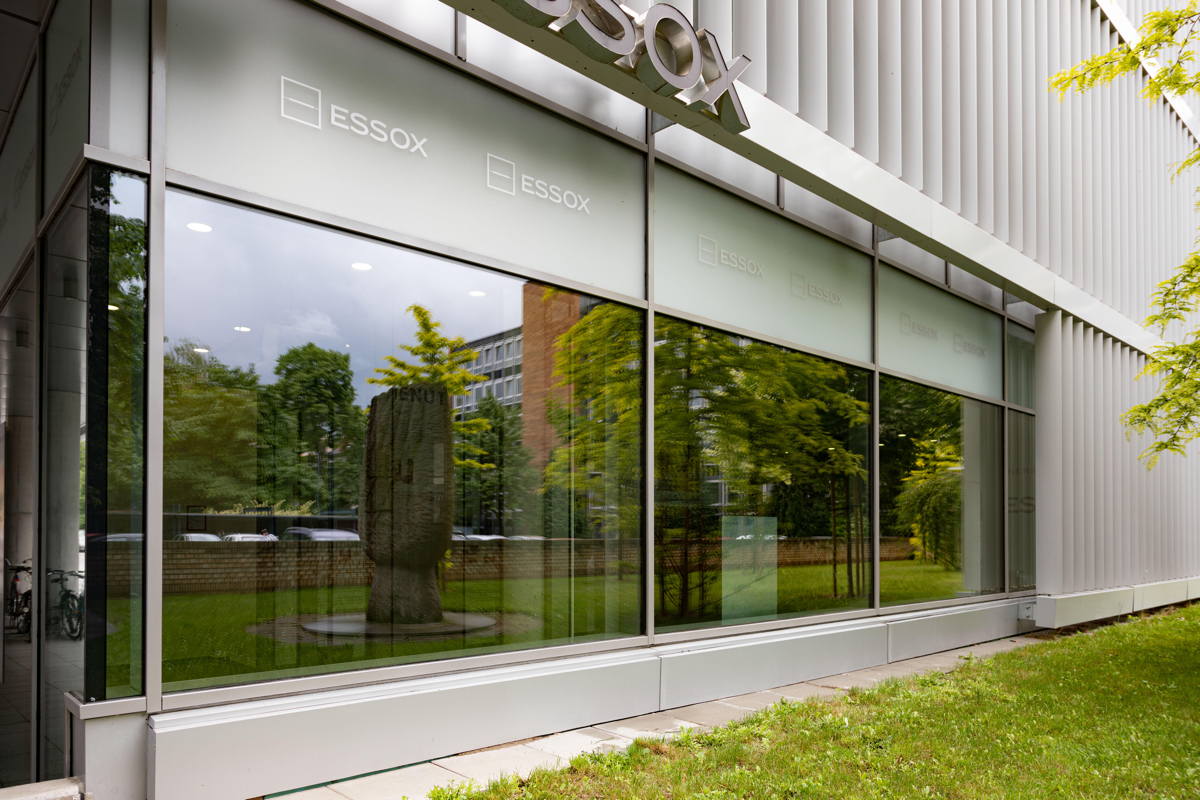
[874, 439]
[155, 332]
[648, 377]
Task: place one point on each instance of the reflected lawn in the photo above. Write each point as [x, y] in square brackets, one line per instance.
[797, 591]
[221, 639]
[218, 639]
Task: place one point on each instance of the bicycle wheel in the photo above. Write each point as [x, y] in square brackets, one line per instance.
[72, 616]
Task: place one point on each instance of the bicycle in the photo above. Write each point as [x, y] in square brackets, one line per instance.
[70, 603]
[18, 605]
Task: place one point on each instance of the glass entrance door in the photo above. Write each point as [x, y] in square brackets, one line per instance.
[18, 501]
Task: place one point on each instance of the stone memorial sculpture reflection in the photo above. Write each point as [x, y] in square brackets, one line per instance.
[405, 507]
[405, 510]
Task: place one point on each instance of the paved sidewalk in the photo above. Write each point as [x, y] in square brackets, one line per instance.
[556, 750]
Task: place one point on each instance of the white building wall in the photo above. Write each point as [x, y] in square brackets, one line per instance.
[1104, 520]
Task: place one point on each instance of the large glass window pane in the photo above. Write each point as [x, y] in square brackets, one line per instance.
[761, 481]
[1020, 365]
[1022, 502]
[393, 139]
[730, 261]
[932, 335]
[940, 462]
[18, 506]
[93, 415]
[339, 492]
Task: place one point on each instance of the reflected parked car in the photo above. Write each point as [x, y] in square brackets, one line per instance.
[301, 534]
[197, 537]
[249, 537]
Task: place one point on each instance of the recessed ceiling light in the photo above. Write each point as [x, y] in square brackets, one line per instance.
[111, 307]
[199, 349]
[477, 293]
[361, 266]
[241, 328]
[199, 227]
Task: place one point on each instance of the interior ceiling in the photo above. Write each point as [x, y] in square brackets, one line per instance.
[18, 33]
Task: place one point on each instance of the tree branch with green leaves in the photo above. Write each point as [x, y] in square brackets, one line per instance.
[1164, 49]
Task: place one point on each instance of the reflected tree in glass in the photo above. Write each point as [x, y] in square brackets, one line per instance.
[406, 507]
[755, 445]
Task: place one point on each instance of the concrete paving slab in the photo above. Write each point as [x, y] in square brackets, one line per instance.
[858, 679]
[806, 691]
[754, 701]
[940, 662]
[321, 793]
[413, 782]
[569, 744]
[712, 714]
[61, 789]
[488, 765]
[662, 724]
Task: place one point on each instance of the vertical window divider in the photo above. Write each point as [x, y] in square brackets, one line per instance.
[155, 328]
[1004, 488]
[874, 439]
[648, 571]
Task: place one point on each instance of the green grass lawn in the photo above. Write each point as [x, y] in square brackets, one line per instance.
[211, 639]
[1113, 713]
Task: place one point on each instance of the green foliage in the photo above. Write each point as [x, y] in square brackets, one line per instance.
[1172, 416]
[930, 501]
[498, 500]
[441, 362]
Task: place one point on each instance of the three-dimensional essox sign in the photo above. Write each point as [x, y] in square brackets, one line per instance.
[660, 47]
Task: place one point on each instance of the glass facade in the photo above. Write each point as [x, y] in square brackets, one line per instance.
[762, 462]
[375, 456]
[1022, 503]
[940, 511]
[93, 530]
[431, 444]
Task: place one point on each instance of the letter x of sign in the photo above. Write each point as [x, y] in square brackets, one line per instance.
[684, 62]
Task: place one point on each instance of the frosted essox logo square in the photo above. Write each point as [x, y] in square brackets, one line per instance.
[501, 174]
[299, 102]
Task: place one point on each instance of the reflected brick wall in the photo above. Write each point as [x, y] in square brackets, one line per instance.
[237, 567]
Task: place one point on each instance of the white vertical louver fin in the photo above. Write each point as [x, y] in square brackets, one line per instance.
[891, 129]
[866, 78]
[969, 92]
[750, 39]
[815, 62]
[952, 127]
[932, 87]
[783, 23]
[842, 82]
[912, 92]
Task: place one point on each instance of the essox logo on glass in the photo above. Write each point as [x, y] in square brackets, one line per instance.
[660, 47]
[299, 102]
[503, 176]
[710, 252]
[302, 103]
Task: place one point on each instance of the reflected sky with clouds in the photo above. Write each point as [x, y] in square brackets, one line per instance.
[292, 283]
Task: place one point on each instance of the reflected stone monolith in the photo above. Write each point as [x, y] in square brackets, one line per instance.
[405, 507]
